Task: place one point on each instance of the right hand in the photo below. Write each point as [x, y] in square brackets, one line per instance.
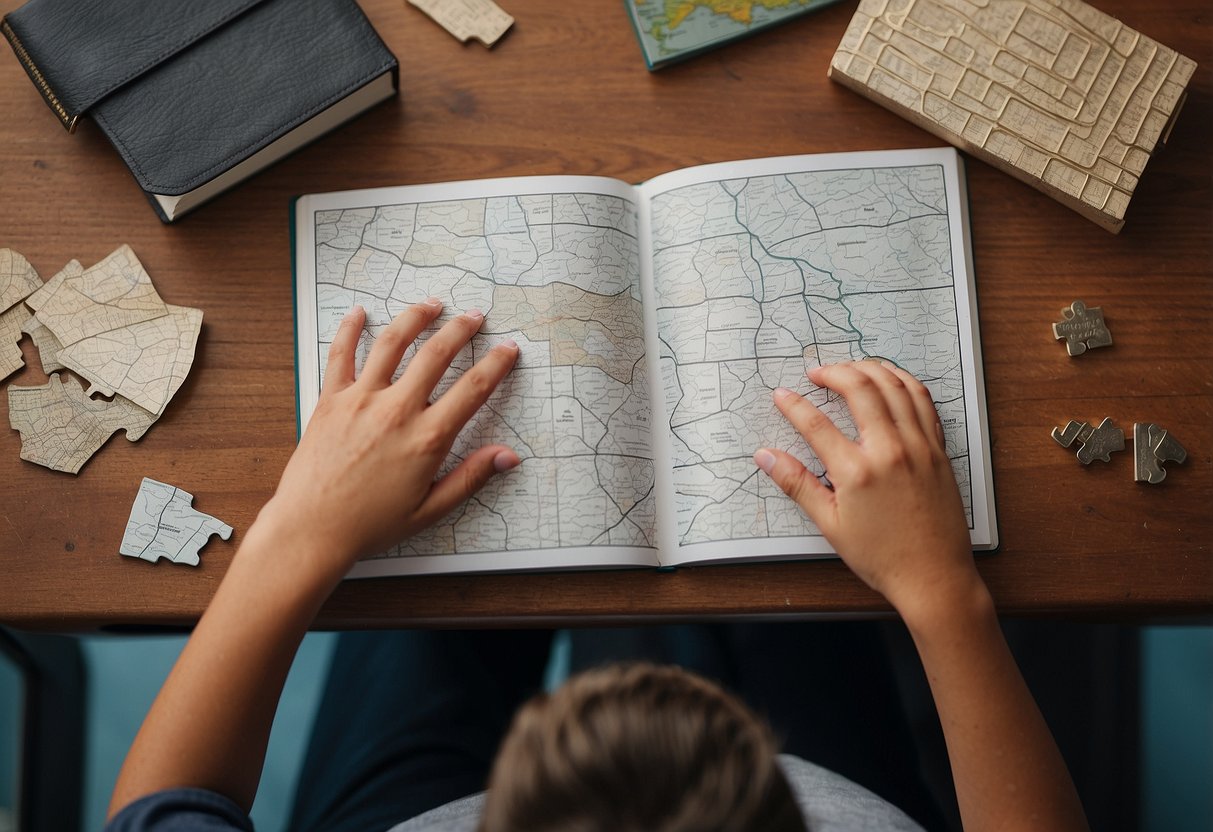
[894, 514]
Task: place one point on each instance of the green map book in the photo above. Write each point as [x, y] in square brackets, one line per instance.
[673, 30]
[653, 323]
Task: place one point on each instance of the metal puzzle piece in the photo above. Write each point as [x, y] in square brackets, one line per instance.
[1083, 328]
[1096, 442]
[1152, 446]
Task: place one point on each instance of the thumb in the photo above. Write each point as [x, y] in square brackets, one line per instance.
[800, 484]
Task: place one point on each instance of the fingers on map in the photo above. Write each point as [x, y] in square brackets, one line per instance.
[164, 524]
[107, 324]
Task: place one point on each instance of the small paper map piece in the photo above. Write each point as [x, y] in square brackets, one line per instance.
[114, 293]
[10, 334]
[145, 362]
[61, 427]
[480, 19]
[17, 278]
[1083, 328]
[163, 524]
[47, 290]
[46, 342]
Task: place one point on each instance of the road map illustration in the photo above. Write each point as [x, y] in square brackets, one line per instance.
[558, 273]
[758, 280]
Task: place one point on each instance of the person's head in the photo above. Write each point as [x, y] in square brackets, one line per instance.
[638, 748]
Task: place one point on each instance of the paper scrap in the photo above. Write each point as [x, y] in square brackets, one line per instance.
[113, 294]
[480, 19]
[146, 362]
[108, 324]
[46, 342]
[18, 279]
[11, 359]
[163, 524]
[61, 427]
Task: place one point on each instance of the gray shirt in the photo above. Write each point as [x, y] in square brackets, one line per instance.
[828, 801]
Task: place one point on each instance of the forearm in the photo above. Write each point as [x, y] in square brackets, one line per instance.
[1005, 764]
[209, 725]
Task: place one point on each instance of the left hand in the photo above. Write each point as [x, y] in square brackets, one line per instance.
[363, 476]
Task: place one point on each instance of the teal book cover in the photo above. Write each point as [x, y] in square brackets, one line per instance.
[674, 30]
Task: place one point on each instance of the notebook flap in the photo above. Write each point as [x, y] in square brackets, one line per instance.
[77, 52]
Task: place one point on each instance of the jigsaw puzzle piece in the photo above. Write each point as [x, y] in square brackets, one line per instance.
[1083, 328]
[1152, 446]
[1103, 440]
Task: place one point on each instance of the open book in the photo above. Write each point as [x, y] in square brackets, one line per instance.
[653, 322]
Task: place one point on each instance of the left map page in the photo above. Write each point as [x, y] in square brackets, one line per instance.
[554, 264]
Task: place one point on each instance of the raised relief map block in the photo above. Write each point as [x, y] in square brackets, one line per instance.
[1054, 92]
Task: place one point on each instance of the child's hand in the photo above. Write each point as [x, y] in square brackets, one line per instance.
[894, 514]
[363, 476]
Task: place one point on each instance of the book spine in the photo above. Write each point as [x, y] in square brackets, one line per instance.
[68, 120]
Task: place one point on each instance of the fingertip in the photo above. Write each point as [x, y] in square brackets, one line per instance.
[505, 460]
[765, 460]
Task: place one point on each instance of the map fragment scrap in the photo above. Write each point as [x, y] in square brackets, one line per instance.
[17, 280]
[163, 524]
[61, 427]
[10, 334]
[108, 324]
[113, 294]
[146, 362]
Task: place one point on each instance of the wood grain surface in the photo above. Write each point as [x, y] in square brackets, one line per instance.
[566, 92]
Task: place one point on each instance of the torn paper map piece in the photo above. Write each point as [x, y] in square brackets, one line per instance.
[145, 362]
[107, 324]
[46, 342]
[113, 294]
[163, 524]
[480, 19]
[18, 279]
[61, 427]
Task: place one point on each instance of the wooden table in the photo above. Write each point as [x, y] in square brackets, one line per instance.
[568, 93]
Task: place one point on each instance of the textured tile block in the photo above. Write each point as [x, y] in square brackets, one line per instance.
[1054, 92]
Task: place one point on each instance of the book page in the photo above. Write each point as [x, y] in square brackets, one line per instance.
[764, 269]
[553, 263]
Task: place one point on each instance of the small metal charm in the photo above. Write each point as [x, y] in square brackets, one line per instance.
[1152, 446]
[1097, 442]
[1084, 329]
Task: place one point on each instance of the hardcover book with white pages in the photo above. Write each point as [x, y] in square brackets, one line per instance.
[654, 322]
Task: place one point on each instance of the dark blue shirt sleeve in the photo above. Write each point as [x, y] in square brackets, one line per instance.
[181, 810]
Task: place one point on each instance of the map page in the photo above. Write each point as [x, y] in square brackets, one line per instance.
[672, 30]
[554, 264]
[761, 270]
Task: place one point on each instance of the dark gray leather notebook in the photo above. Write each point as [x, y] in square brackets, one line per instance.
[198, 95]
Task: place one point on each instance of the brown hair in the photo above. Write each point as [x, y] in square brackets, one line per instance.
[638, 748]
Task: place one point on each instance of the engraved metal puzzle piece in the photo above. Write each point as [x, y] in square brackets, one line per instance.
[1083, 328]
